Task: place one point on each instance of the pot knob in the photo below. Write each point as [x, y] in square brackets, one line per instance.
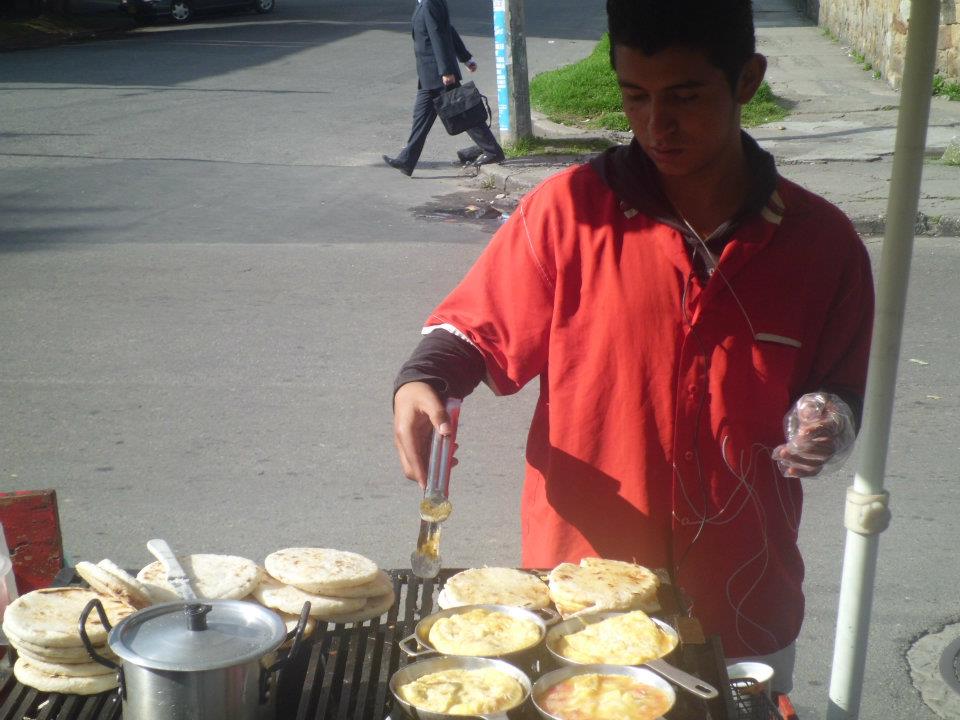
[197, 615]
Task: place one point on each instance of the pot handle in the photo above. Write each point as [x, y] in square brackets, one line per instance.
[683, 679]
[549, 616]
[410, 644]
[91, 651]
[82, 628]
[297, 636]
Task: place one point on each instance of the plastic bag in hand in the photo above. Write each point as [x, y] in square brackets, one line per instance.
[820, 435]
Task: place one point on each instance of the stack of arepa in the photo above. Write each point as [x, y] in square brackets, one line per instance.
[341, 586]
[42, 627]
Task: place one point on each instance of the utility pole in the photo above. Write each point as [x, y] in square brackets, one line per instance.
[513, 88]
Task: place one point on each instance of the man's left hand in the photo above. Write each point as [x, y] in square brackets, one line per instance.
[819, 432]
[448, 79]
[472, 66]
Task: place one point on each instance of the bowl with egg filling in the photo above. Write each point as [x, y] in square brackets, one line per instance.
[445, 688]
[611, 638]
[602, 692]
[503, 632]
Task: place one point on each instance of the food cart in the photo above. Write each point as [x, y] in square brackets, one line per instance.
[343, 672]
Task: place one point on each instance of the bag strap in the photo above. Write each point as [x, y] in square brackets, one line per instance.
[489, 111]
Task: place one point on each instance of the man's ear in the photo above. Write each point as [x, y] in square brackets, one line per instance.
[750, 78]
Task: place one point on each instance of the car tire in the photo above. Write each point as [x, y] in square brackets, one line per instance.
[181, 11]
[264, 6]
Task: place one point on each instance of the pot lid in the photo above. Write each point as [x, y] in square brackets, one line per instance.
[160, 636]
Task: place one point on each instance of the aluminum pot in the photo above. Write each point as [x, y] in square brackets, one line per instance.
[210, 660]
[565, 673]
[681, 678]
[450, 662]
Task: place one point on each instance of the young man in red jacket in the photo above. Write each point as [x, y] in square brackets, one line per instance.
[677, 300]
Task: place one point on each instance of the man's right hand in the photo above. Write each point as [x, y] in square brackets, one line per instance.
[417, 410]
[448, 79]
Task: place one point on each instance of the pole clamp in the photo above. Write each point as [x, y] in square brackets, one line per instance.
[866, 514]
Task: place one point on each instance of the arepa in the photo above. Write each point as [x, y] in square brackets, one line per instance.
[84, 669]
[48, 617]
[28, 674]
[378, 587]
[597, 585]
[276, 595]
[373, 608]
[317, 570]
[67, 655]
[213, 577]
[105, 582]
[495, 586]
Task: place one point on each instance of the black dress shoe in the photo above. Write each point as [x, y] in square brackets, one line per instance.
[468, 155]
[397, 165]
[487, 158]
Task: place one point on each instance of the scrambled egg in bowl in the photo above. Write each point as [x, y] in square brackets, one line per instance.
[604, 697]
[628, 639]
[482, 633]
[463, 692]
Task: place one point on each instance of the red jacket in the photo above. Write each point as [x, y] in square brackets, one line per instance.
[661, 395]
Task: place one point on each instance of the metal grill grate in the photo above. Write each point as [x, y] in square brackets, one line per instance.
[751, 703]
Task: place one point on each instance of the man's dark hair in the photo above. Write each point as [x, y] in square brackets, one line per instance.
[723, 29]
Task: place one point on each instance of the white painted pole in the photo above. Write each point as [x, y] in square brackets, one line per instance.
[860, 554]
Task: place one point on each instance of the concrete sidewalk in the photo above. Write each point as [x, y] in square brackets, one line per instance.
[838, 140]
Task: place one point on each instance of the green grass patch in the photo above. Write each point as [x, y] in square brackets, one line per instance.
[586, 93]
[946, 89]
[951, 156]
[762, 108]
[556, 146]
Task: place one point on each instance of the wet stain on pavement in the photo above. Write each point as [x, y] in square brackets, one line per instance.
[487, 208]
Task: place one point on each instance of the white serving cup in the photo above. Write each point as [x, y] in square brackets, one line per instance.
[759, 672]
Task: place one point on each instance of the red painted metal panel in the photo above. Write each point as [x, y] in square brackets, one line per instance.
[31, 526]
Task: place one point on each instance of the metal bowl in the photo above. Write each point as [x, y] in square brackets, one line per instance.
[448, 662]
[418, 644]
[685, 680]
[575, 625]
[565, 673]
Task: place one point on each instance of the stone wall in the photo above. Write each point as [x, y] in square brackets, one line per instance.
[878, 30]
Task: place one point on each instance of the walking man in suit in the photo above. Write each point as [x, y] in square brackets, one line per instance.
[437, 47]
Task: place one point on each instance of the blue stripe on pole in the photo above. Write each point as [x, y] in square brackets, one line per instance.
[500, 55]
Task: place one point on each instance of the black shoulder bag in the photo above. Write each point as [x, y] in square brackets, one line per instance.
[461, 108]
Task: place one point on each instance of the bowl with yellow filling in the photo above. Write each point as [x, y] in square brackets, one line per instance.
[491, 631]
[444, 688]
[602, 692]
[612, 638]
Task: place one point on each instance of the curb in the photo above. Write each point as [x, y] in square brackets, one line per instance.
[44, 40]
[517, 180]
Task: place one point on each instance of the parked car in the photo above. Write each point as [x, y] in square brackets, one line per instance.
[181, 11]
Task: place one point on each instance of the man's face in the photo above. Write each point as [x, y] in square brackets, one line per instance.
[681, 108]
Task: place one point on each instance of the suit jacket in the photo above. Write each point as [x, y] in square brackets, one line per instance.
[436, 44]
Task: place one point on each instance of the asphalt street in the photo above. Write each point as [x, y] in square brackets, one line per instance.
[208, 280]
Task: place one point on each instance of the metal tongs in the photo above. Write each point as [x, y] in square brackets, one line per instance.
[435, 506]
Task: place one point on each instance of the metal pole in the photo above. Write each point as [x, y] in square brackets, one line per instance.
[510, 52]
[860, 554]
